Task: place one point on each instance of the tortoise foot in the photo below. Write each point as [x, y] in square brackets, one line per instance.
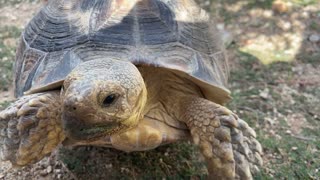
[227, 142]
[30, 128]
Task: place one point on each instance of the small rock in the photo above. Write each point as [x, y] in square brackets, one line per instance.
[264, 94]
[43, 173]
[207, 3]
[2, 175]
[288, 132]
[294, 148]
[49, 169]
[220, 26]
[108, 166]
[267, 14]
[227, 38]
[284, 25]
[305, 14]
[280, 6]
[298, 69]
[314, 38]
[269, 121]
[278, 137]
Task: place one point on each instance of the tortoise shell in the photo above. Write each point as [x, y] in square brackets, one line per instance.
[172, 34]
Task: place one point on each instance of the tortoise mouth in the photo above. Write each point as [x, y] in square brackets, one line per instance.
[98, 131]
[92, 133]
[79, 131]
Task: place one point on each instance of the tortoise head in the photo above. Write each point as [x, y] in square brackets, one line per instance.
[102, 97]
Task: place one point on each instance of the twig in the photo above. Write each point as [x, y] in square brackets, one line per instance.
[250, 109]
[303, 138]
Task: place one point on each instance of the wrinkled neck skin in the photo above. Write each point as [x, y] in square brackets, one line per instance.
[102, 97]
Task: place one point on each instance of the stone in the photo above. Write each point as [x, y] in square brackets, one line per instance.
[314, 38]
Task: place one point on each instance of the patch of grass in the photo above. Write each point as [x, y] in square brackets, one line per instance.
[4, 105]
[252, 70]
[249, 3]
[14, 2]
[7, 54]
[74, 162]
[298, 158]
[175, 161]
[314, 25]
[6, 74]
[265, 4]
[287, 155]
[313, 59]
[304, 2]
[10, 32]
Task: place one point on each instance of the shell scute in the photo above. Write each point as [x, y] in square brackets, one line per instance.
[173, 34]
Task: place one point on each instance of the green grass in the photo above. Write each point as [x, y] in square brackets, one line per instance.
[7, 55]
[314, 25]
[300, 163]
[175, 161]
[252, 70]
[4, 105]
[313, 59]
[14, 2]
[252, 77]
[304, 2]
[265, 4]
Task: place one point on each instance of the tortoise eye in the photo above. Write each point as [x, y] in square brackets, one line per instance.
[109, 100]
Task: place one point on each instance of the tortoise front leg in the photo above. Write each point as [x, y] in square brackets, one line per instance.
[30, 128]
[227, 142]
[148, 134]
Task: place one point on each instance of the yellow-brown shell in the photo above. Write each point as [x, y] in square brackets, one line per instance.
[174, 34]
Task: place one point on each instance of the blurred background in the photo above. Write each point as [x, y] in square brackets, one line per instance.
[274, 55]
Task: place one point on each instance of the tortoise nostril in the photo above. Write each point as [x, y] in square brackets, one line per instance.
[70, 104]
[70, 107]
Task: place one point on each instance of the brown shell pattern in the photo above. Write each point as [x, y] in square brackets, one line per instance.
[174, 34]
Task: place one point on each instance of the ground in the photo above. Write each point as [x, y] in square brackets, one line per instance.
[274, 54]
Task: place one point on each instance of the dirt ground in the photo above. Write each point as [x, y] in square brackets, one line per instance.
[274, 54]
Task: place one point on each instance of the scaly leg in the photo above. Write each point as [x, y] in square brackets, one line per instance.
[227, 142]
[30, 128]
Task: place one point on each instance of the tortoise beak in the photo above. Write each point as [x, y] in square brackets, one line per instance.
[77, 129]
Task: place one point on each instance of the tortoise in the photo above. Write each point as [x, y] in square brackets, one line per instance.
[129, 74]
